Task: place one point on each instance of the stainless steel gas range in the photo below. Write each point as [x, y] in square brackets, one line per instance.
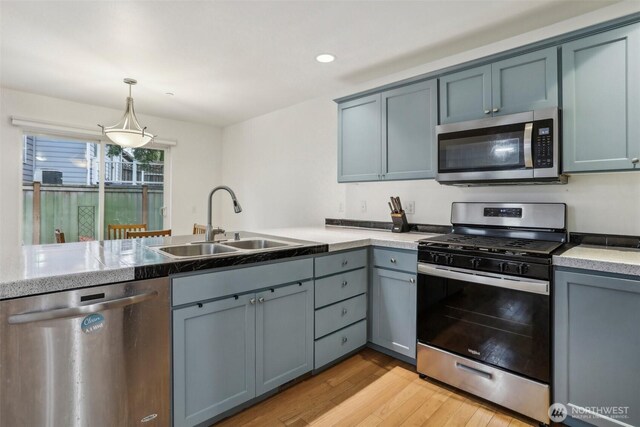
[484, 320]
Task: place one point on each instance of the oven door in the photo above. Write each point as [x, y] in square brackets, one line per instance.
[488, 149]
[499, 320]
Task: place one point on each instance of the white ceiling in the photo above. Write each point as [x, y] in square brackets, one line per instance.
[227, 61]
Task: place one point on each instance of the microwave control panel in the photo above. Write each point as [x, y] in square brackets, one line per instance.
[543, 144]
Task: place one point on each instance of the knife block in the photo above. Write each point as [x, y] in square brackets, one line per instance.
[400, 223]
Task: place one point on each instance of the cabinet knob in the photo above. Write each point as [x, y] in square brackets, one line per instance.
[344, 283]
[487, 111]
[345, 262]
[412, 280]
[393, 260]
[261, 299]
[635, 160]
[344, 340]
[252, 301]
[495, 109]
[344, 311]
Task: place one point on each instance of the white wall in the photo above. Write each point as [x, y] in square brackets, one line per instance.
[195, 162]
[283, 165]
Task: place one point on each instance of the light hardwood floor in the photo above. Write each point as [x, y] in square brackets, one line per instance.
[372, 389]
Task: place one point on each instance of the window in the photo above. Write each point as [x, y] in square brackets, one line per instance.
[63, 183]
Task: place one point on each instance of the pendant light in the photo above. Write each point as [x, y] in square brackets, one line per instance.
[128, 132]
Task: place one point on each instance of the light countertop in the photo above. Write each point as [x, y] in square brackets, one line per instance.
[32, 270]
[600, 258]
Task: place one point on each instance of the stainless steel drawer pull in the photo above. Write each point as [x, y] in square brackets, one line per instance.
[495, 110]
[252, 301]
[344, 283]
[412, 280]
[344, 340]
[393, 260]
[261, 299]
[81, 310]
[344, 311]
[474, 371]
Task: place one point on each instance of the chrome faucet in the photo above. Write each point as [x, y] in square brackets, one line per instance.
[210, 233]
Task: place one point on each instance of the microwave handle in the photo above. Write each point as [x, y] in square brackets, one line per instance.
[528, 149]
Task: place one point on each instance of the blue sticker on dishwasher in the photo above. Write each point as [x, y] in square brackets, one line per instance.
[92, 323]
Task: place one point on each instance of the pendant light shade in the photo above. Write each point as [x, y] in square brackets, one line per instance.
[128, 132]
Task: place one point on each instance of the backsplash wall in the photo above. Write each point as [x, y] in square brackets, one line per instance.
[597, 203]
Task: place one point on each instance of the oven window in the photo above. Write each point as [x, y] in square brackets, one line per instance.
[500, 148]
[502, 327]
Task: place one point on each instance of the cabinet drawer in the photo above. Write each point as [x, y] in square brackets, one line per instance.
[341, 314]
[337, 263]
[398, 260]
[341, 286]
[204, 286]
[340, 343]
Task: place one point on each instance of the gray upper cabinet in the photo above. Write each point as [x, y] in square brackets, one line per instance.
[213, 358]
[601, 101]
[393, 305]
[284, 335]
[389, 136]
[359, 148]
[465, 95]
[410, 115]
[597, 345]
[524, 83]
[521, 83]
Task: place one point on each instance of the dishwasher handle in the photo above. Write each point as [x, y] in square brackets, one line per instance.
[81, 310]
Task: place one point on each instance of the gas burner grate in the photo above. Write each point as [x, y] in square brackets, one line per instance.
[493, 244]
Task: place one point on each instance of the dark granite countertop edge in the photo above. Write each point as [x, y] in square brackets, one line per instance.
[188, 265]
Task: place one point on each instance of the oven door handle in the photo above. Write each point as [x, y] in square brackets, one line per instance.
[527, 285]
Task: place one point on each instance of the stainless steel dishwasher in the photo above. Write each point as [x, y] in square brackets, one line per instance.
[90, 357]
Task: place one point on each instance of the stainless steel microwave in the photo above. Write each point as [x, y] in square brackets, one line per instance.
[522, 148]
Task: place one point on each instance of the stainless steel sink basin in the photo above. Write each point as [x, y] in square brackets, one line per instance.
[255, 244]
[190, 250]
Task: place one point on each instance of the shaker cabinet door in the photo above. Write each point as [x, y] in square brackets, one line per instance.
[284, 335]
[601, 101]
[409, 118]
[465, 95]
[393, 316]
[359, 142]
[525, 82]
[597, 346]
[213, 358]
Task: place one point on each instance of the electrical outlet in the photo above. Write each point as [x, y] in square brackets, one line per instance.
[410, 207]
[363, 206]
[341, 207]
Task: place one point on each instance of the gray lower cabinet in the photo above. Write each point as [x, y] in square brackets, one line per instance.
[601, 101]
[389, 135]
[213, 358]
[597, 347]
[521, 83]
[393, 316]
[238, 334]
[341, 305]
[284, 335]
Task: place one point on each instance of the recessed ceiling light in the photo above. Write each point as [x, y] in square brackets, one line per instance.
[169, 93]
[325, 57]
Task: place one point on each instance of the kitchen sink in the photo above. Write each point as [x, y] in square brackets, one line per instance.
[202, 249]
[254, 244]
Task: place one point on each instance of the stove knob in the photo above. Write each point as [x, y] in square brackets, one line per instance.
[522, 268]
[503, 267]
[450, 259]
[475, 263]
